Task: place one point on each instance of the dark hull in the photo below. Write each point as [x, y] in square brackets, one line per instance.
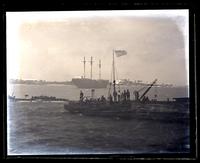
[159, 110]
[89, 83]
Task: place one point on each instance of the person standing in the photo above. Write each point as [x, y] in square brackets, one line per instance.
[110, 99]
[125, 95]
[128, 95]
[119, 96]
[136, 93]
[81, 96]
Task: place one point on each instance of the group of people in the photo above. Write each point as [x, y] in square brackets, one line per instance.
[124, 96]
[120, 96]
[85, 99]
[117, 96]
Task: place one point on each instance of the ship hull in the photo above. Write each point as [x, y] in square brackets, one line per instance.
[89, 83]
[100, 110]
[132, 109]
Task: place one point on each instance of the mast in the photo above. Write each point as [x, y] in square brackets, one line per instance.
[114, 82]
[91, 68]
[99, 69]
[84, 67]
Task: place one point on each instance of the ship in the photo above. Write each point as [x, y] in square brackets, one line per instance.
[121, 106]
[87, 83]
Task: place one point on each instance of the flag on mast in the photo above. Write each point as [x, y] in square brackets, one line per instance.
[120, 52]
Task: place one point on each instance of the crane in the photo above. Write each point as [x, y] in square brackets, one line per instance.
[147, 90]
[137, 93]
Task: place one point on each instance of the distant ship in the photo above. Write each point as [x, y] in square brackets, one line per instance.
[88, 83]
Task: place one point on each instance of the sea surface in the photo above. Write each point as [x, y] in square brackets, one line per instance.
[38, 128]
[71, 92]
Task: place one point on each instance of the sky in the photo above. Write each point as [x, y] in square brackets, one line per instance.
[51, 45]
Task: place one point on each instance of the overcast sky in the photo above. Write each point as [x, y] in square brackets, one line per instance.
[51, 45]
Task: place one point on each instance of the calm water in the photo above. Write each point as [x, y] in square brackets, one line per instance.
[46, 128]
[72, 93]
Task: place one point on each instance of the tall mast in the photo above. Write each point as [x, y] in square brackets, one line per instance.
[99, 69]
[114, 82]
[113, 67]
[91, 68]
[84, 67]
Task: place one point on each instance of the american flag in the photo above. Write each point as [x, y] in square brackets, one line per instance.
[120, 52]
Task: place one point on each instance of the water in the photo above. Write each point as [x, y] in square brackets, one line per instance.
[72, 93]
[46, 128]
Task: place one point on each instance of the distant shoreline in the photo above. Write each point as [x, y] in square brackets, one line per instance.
[40, 82]
[43, 84]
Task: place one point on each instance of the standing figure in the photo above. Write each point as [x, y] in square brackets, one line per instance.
[81, 96]
[110, 99]
[136, 93]
[125, 95]
[122, 96]
[119, 96]
[92, 93]
[114, 96]
[128, 95]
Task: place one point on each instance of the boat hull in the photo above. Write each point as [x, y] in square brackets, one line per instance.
[159, 110]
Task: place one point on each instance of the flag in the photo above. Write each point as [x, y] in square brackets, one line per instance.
[120, 52]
